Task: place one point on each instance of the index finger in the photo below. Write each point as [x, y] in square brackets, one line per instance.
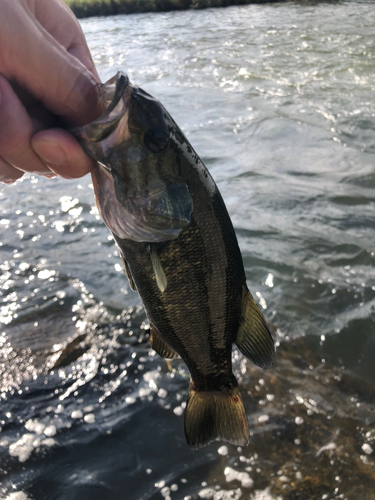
[57, 18]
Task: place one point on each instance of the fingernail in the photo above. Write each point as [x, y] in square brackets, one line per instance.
[50, 153]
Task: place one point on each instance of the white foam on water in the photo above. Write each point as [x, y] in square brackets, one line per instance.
[269, 280]
[223, 450]
[262, 495]
[151, 375]
[35, 426]
[89, 418]
[367, 448]
[206, 493]
[228, 495]
[50, 431]
[76, 414]
[329, 446]
[144, 392]
[162, 393]
[178, 411]
[23, 447]
[263, 418]
[17, 495]
[160, 484]
[48, 442]
[243, 477]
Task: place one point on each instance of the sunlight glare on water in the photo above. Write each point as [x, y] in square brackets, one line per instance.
[278, 101]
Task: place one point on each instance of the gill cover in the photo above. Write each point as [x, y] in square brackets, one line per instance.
[138, 192]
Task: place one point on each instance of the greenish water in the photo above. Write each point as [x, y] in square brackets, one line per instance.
[278, 102]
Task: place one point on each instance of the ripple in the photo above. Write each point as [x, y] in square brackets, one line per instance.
[278, 101]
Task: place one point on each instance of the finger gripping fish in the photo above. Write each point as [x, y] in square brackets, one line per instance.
[180, 253]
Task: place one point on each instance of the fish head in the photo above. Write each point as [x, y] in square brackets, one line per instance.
[137, 175]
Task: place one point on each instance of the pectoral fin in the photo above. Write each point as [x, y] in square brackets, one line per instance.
[172, 207]
[159, 345]
[254, 338]
[160, 276]
[129, 274]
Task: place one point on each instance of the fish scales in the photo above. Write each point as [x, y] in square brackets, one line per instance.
[180, 252]
[196, 317]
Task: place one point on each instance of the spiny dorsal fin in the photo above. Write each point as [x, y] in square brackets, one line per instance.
[160, 276]
[215, 415]
[129, 274]
[254, 338]
[159, 345]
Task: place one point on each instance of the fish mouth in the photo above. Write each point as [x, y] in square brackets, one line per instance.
[133, 118]
[117, 94]
[115, 88]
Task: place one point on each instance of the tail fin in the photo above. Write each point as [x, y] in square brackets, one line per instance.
[215, 415]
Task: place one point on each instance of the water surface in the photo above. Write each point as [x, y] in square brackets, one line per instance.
[278, 102]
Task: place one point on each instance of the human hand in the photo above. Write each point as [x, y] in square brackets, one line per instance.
[47, 78]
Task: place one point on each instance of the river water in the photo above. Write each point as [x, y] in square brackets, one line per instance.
[278, 100]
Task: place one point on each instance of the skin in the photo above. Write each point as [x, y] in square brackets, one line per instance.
[47, 80]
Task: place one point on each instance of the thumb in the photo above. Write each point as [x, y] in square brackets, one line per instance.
[39, 63]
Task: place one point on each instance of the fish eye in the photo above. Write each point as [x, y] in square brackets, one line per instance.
[156, 140]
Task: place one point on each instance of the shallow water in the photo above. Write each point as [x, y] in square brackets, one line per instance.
[278, 102]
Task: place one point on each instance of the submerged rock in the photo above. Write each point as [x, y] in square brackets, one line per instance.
[321, 422]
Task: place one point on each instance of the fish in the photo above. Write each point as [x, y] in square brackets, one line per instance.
[180, 253]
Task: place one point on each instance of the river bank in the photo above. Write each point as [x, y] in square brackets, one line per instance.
[87, 8]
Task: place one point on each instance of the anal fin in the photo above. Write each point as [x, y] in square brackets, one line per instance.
[159, 345]
[129, 274]
[254, 338]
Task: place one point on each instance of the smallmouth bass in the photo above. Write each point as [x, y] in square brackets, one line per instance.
[180, 253]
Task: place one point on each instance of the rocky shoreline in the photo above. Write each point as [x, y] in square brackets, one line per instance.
[88, 8]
